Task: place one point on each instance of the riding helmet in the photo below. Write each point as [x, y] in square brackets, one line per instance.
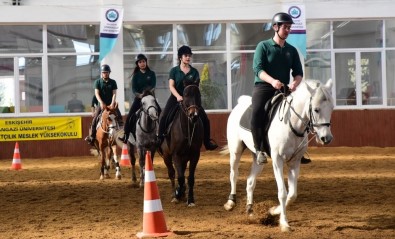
[140, 57]
[280, 18]
[105, 68]
[184, 50]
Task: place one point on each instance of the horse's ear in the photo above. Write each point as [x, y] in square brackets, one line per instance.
[329, 84]
[309, 88]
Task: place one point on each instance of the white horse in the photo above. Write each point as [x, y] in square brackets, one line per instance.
[307, 110]
[146, 131]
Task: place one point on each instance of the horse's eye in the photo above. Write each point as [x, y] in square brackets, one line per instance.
[317, 110]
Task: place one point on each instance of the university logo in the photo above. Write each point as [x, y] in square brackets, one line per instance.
[294, 11]
[112, 15]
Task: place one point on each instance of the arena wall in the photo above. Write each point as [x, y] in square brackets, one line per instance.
[351, 128]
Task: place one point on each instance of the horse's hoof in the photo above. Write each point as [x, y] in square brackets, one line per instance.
[191, 204]
[249, 210]
[285, 228]
[175, 200]
[274, 211]
[229, 205]
[119, 176]
[101, 177]
[141, 185]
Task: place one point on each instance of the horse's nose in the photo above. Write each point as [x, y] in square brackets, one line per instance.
[326, 139]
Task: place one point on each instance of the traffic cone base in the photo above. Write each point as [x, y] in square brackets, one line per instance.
[125, 159]
[154, 224]
[16, 159]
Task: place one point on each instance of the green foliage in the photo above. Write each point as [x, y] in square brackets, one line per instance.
[209, 89]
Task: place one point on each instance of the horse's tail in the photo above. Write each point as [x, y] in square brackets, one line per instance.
[224, 150]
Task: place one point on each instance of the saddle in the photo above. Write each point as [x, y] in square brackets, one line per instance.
[270, 110]
[170, 118]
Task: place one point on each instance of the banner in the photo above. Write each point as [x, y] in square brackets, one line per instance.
[22, 129]
[297, 37]
[110, 26]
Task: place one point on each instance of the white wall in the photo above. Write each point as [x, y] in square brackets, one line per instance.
[40, 11]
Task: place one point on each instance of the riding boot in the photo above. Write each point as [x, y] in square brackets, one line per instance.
[91, 138]
[209, 144]
[257, 135]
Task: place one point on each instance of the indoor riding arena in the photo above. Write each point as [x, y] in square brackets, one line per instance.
[345, 192]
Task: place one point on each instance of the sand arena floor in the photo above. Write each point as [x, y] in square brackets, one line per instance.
[344, 193]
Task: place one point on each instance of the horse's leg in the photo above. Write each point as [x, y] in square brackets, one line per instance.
[234, 174]
[180, 168]
[142, 165]
[278, 166]
[118, 174]
[293, 174]
[172, 175]
[107, 162]
[251, 183]
[102, 163]
[132, 157]
[191, 180]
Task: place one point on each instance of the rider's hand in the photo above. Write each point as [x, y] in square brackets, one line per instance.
[103, 106]
[179, 98]
[277, 84]
[292, 86]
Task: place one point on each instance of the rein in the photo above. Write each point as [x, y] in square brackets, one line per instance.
[309, 124]
[148, 116]
[191, 132]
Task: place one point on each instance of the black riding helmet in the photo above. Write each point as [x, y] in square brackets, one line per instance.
[280, 18]
[140, 57]
[184, 50]
[105, 68]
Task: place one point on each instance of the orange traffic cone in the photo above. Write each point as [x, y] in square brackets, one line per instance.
[125, 159]
[154, 224]
[16, 160]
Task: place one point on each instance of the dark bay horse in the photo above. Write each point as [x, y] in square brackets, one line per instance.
[105, 142]
[182, 144]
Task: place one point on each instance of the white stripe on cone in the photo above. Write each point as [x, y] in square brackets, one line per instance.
[152, 206]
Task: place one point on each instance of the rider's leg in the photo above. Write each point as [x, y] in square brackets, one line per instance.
[260, 95]
[171, 102]
[91, 138]
[119, 118]
[130, 124]
[208, 143]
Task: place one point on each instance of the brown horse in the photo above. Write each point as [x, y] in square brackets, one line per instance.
[105, 143]
[182, 144]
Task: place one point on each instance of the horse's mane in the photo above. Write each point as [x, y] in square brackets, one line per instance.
[147, 92]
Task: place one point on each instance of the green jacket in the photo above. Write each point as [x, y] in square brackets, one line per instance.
[276, 61]
[143, 81]
[180, 78]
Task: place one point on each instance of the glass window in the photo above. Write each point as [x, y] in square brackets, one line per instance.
[318, 66]
[390, 33]
[30, 84]
[157, 63]
[202, 37]
[68, 80]
[391, 77]
[73, 38]
[148, 38]
[371, 78]
[242, 75]
[245, 36]
[212, 71]
[7, 85]
[21, 39]
[345, 78]
[357, 34]
[318, 35]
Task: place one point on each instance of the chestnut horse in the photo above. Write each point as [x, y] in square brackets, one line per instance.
[105, 143]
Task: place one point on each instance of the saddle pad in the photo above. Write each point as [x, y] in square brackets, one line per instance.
[245, 121]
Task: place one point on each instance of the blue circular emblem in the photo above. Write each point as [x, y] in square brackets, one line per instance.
[294, 11]
[112, 15]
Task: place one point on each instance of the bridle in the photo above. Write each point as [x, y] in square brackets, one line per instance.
[190, 112]
[156, 121]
